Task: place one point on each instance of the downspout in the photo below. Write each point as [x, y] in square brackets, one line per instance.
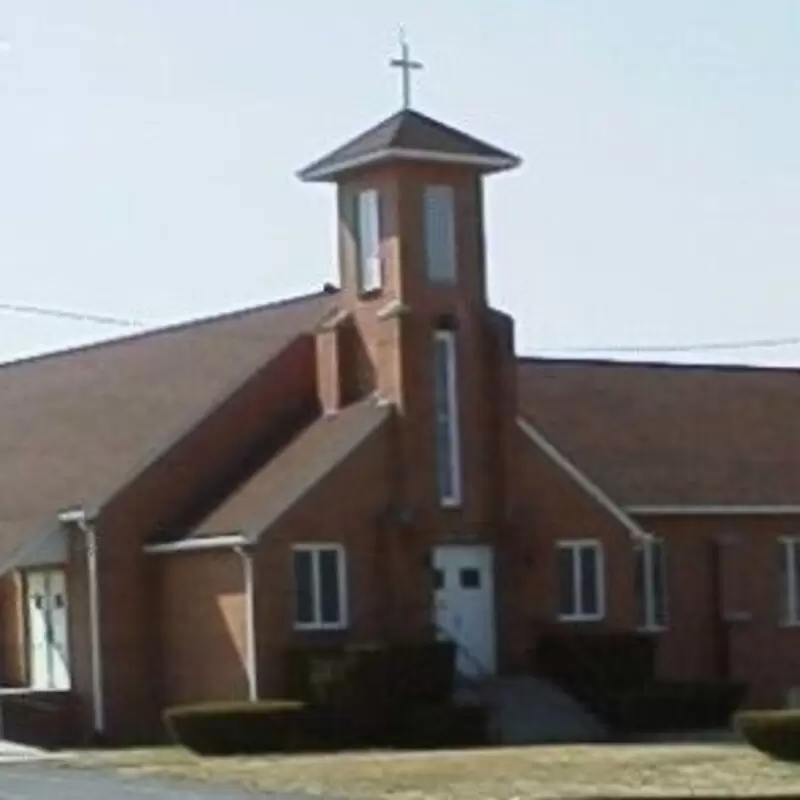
[250, 622]
[80, 519]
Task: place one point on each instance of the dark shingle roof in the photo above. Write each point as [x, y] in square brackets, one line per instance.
[76, 424]
[409, 134]
[284, 479]
[652, 434]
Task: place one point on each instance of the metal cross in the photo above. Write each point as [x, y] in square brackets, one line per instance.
[406, 65]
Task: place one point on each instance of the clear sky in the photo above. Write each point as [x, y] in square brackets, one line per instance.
[148, 151]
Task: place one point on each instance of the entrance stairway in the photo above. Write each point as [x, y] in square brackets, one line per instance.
[529, 710]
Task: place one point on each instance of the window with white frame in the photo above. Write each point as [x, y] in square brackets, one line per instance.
[320, 587]
[448, 449]
[440, 233]
[581, 589]
[789, 582]
[367, 236]
[650, 584]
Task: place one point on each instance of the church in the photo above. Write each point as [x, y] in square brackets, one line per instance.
[375, 461]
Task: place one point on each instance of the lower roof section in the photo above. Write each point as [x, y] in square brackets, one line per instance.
[287, 477]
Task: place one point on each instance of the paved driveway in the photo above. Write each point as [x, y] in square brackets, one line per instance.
[42, 781]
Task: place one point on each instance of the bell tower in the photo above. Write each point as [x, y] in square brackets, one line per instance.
[412, 271]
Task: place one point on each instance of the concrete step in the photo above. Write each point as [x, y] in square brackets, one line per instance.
[529, 710]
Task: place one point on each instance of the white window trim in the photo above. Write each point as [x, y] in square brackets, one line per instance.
[375, 265]
[454, 499]
[650, 625]
[317, 624]
[792, 619]
[576, 545]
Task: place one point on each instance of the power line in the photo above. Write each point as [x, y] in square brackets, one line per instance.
[745, 344]
[75, 316]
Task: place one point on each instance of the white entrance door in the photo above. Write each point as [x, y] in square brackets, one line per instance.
[47, 629]
[464, 605]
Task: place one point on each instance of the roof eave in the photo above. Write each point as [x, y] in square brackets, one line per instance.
[325, 170]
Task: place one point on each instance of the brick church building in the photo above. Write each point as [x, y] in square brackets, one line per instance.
[376, 462]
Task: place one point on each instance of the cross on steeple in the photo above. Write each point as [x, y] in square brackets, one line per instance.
[406, 65]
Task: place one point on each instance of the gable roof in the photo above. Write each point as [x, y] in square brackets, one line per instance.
[659, 434]
[285, 478]
[76, 423]
[409, 135]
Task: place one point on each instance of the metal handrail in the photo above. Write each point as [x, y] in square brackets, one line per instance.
[460, 647]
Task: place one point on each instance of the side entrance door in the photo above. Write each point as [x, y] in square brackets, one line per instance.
[464, 605]
[47, 629]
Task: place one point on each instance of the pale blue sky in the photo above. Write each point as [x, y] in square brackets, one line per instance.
[148, 151]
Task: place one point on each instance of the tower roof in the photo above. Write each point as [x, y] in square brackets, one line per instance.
[410, 136]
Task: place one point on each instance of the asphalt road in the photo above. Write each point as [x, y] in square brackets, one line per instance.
[40, 781]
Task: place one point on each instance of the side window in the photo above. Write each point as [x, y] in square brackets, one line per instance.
[581, 589]
[789, 581]
[319, 587]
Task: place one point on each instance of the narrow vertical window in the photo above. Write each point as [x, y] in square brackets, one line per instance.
[581, 590]
[367, 234]
[651, 585]
[789, 581]
[440, 233]
[448, 456]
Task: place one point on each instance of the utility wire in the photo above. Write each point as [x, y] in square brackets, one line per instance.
[75, 316]
[745, 344]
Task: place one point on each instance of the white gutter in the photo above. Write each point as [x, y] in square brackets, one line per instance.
[79, 518]
[250, 622]
[714, 510]
[198, 543]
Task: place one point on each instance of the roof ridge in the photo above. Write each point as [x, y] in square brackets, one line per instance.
[168, 328]
[450, 130]
[655, 365]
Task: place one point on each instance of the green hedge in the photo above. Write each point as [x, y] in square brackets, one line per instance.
[615, 660]
[239, 728]
[674, 706]
[290, 726]
[442, 726]
[399, 674]
[776, 733]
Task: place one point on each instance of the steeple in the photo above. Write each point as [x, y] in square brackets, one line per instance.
[413, 296]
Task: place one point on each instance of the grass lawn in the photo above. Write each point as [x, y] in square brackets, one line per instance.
[492, 774]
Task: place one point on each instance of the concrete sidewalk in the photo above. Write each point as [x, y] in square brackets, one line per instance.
[13, 753]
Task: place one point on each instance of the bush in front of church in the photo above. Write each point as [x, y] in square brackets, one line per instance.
[240, 728]
[287, 726]
[775, 733]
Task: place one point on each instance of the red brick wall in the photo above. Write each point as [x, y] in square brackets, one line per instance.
[546, 505]
[203, 627]
[345, 508]
[129, 580]
[760, 650]
[13, 643]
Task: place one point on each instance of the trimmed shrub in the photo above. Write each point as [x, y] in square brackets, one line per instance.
[397, 674]
[442, 726]
[674, 706]
[281, 726]
[775, 733]
[244, 727]
[615, 660]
